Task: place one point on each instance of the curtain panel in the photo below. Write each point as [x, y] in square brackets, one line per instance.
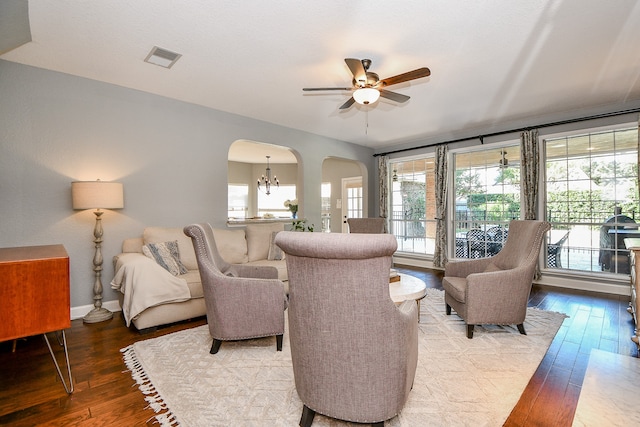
[530, 165]
[529, 168]
[383, 181]
[440, 251]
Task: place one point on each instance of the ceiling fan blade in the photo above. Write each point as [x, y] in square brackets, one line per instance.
[405, 77]
[325, 88]
[347, 104]
[357, 69]
[394, 96]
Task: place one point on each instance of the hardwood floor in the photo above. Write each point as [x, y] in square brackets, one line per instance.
[31, 393]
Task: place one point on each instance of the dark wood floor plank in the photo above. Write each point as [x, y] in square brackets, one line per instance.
[547, 409]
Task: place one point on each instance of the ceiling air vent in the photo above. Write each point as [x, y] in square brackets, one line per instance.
[162, 57]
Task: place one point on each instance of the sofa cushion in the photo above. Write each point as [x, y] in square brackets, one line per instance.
[456, 287]
[167, 255]
[258, 239]
[193, 283]
[134, 244]
[165, 234]
[232, 245]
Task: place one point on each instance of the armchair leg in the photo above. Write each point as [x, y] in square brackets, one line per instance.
[521, 329]
[469, 331]
[279, 342]
[448, 309]
[215, 347]
[307, 416]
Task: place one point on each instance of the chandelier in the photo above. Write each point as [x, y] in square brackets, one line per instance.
[266, 180]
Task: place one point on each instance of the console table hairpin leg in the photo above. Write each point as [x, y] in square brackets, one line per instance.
[69, 388]
[32, 277]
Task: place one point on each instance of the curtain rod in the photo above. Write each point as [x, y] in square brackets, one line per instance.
[481, 137]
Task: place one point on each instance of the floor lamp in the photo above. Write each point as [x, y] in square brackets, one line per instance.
[97, 195]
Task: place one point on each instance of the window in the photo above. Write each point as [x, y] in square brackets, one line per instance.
[413, 204]
[487, 197]
[591, 199]
[237, 201]
[325, 194]
[273, 203]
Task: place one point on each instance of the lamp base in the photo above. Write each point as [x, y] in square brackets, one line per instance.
[97, 315]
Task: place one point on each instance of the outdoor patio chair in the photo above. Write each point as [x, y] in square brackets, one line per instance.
[553, 252]
[496, 237]
[477, 243]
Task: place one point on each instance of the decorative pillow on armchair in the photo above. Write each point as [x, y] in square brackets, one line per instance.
[167, 255]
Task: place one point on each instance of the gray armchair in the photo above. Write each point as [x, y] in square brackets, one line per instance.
[495, 290]
[354, 352]
[238, 307]
[366, 225]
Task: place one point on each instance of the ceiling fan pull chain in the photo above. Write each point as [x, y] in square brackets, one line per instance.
[366, 122]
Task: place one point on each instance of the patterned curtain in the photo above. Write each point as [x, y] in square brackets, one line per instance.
[383, 181]
[529, 170]
[440, 252]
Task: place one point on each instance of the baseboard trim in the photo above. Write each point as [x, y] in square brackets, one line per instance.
[81, 311]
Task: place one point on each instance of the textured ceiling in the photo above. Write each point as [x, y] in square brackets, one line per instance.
[494, 63]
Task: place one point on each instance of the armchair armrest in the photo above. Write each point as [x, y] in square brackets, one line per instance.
[255, 271]
[498, 292]
[463, 268]
[264, 298]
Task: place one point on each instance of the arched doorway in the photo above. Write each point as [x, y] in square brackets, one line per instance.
[247, 165]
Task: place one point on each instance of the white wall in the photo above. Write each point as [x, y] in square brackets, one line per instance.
[171, 157]
[333, 171]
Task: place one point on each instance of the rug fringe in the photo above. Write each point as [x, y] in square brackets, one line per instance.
[543, 311]
[152, 396]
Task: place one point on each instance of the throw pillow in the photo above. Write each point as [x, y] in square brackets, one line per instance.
[258, 236]
[275, 253]
[232, 245]
[167, 255]
[167, 234]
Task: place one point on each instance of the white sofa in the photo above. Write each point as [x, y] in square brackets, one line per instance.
[151, 296]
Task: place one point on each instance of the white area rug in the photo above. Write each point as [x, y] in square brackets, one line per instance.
[459, 382]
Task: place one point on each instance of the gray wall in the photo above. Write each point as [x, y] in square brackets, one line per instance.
[15, 29]
[171, 157]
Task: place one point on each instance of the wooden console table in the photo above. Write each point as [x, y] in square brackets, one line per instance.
[34, 296]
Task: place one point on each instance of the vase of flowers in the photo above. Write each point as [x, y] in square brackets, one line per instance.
[292, 205]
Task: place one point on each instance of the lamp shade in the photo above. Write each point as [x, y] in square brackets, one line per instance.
[366, 95]
[97, 195]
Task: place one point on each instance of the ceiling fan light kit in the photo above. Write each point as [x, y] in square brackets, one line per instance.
[366, 95]
[367, 86]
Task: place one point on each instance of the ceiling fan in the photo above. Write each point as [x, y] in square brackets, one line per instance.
[367, 86]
